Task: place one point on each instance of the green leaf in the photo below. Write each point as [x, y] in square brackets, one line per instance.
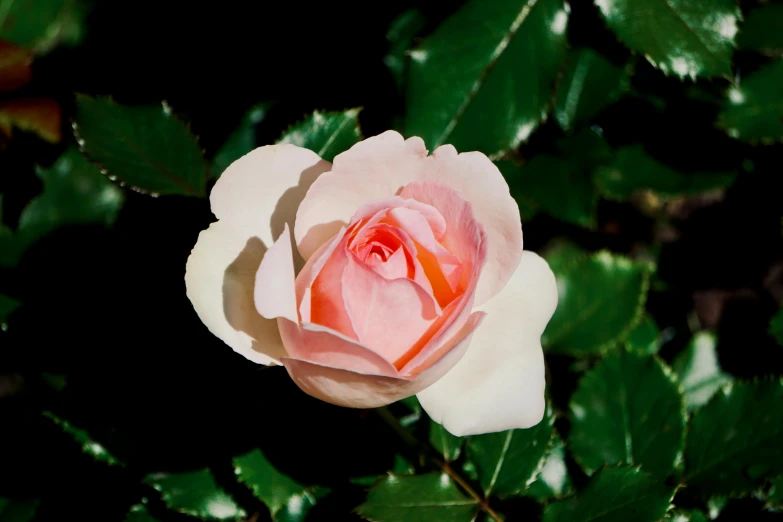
[590, 83]
[418, 498]
[145, 147]
[508, 461]
[400, 35]
[88, 444]
[448, 445]
[40, 25]
[239, 142]
[412, 403]
[7, 307]
[628, 410]
[587, 148]
[776, 327]
[538, 186]
[753, 110]
[698, 369]
[12, 510]
[601, 301]
[553, 481]
[614, 495]
[325, 133]
[775, 496]
[680, 37]
[646, 337]
[74, 193]
[688, 516]
[273, 488]
[734, 440]
[762, 29]
[632, 169]
[195, 493]
[484, 79]
[139, 513]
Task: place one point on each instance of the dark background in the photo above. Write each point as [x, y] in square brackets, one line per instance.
[107, 309]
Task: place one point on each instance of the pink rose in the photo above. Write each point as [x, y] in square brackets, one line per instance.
[408, 278]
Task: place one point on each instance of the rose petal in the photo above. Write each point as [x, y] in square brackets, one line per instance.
[355, 389]
[275, 294]
[321, 345]
[388, 315]
[380, 166]
[219, 278]
[264, 187]
[310, 271]
[499, 384]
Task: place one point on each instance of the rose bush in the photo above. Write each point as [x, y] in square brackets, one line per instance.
[409, 277]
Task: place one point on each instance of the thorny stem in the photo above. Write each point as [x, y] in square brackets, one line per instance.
[412, 441]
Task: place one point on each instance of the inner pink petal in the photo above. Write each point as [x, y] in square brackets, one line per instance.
[387, 315]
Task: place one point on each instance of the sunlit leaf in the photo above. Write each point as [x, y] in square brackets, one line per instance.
[145, 147]
[601, 301]
[628, 410]
[325, 133]
[195, 493]
[698, 369]
[418, 498]
[614, 495]
[680, 37]
[733, 441]
[590, 83]
[753, 110]
[484, 79]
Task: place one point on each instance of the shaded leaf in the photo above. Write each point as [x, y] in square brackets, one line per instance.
[679, 37]
[448, 445]
[145, 147]
[412, 403]
[12, 510]
[614, 495]
[762, 29]
[239, 142]
[89, 445]
[587, 148]
[776, 327]
[698, 369]
[553, 480]
[38, 115]
[589, 83]
[15, 68]
[325, 133]
[753, 110]
[734, 440]
[139, 513]
[400, 36]
[601, 300]
[775, 496]
[628, 410]
[632, 169]
[689, 516]
[195, 493]
[508, 461]
[418, 498]
[40, 25]
[273, 488]
[486, 86]
[540, 185]
[646, 337]
[7, 307]
[74, 193]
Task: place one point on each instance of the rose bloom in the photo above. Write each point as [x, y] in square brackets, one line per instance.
[408, 277]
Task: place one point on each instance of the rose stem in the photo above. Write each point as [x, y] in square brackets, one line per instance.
[425, 449]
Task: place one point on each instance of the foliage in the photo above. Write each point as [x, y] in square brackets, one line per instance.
[642, 141]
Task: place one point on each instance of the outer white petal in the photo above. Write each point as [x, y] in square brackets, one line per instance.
[219, 280]
[263, 189]
[499, 384]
